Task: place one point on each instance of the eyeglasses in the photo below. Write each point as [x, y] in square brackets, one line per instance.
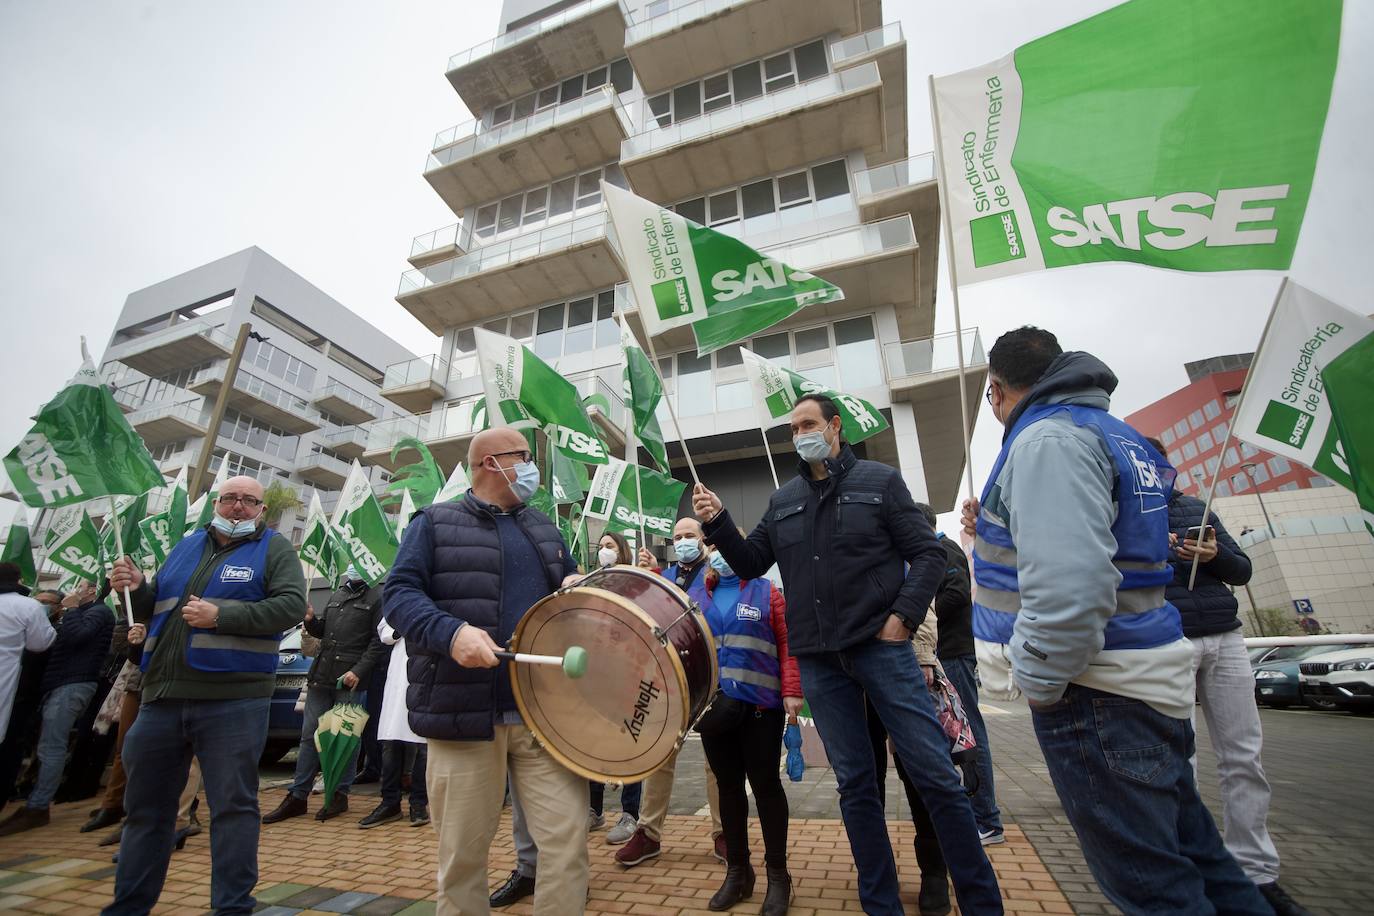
[251, 502]
[988, 394]
[525, 454]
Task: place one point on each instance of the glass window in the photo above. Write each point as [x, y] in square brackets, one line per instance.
[510, 213]
[613, 175]
[794, 190]
[1189, 450]
[1195, 419]
[485, 224]
[561, 197]
[581, 313]
[830, 180]
[1219, 431]
[694, 209]
[548, 338]
[1211, 464]
[496, 326]
[716, 90]
[661, 107]
[1231, 457]
[811, 61]
[686, 102]
[622, 75]
[1211, 409]
[724, 208]
[1181, 428]
[607, 332]
[813, 340]
[1175, 457]
[728, 357]
[856, 354]
[1223, 488]
[747, 81]
[694, 395]
[547, 98]
[1260, 473]
[596, 78]
[777, 72]
[465, 342]
[588, 189]
[733, 395]
[501, 115]
[758, 198]
[278, 364]
[821, 375]
[536, 205]
[524, 107]
[571, 89]
[1204, 441]
[1279, 465]
[1240, 482]
[1247, 450]
[1167, 437]
[776, 347]
[522, 326]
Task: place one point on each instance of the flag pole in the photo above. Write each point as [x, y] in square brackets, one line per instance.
[768, 452]
[1231, 426]
[672, 412]
[632, 455]
[954, 287]
[119, 549]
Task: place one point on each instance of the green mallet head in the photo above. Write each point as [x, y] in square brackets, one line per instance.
[575, 662]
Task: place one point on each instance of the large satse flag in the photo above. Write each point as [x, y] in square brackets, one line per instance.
[615, 499]
[80, 448]
[777, 388]
[1171, 133]
[643, 391]
[74, 545]
[367, 535]
[1307, 392]
[685, 274]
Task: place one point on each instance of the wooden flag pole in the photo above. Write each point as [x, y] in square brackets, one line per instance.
[954, 288]
[768, 453]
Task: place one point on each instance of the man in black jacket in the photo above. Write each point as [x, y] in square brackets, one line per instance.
[350, 650]
[465, 574]
[1225, 685]
[842, 533]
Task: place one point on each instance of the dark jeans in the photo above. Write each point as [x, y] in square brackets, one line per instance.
[394, 755]
[877, 736]
[834, 684]
[962, 672]
[629, 798]
[751, 751]
[227, 737]
[370, 757]
[318, 701]
[1122, 773]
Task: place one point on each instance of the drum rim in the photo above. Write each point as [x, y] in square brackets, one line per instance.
[678, 670]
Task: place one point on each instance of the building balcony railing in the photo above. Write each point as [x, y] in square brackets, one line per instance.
[348, 441]
[165, 350]
[911, 359]
[129, 398]
[472, 137]
[846, 51]
[161, 423]
[414, 384]
[895, 176]
[323, 470]
[347, 403]
[525, 32]
[260, 398]
[439, 245]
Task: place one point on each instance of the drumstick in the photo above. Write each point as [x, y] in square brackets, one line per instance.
[573, 662]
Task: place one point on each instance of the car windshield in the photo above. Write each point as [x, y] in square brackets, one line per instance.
[1309, 651]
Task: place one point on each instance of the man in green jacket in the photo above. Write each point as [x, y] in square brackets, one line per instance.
[215, 613]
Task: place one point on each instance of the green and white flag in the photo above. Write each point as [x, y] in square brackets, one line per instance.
[319, 547]
[129, 511]
[1307, 392]
[456, 485]
[199, 513]
[1171, 133]
[643, 392]
[777, 389]
[525, 392]
[74, 545]
[568, 480]
[403, 517]
[613, 499]
[163, 531]
[682, 274]
[367, 534]
[80, 448]
[19, 551]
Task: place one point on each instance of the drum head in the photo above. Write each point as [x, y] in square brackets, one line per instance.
[622, 719]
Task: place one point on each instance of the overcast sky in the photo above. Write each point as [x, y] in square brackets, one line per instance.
[140, 141]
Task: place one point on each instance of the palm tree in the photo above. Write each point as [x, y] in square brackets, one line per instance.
[276, 500]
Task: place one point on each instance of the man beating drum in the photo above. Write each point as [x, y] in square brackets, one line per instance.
[465, 574]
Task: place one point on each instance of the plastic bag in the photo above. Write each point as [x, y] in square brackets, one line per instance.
[792, 740]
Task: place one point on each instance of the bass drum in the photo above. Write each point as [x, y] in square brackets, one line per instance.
[651, 673]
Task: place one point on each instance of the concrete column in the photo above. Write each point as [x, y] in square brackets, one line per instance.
[909, 451]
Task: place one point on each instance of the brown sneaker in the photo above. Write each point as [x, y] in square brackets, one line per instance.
[27, 818]
[640, 848]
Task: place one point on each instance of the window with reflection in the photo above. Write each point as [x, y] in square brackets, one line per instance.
[694, 384]
[856, 354]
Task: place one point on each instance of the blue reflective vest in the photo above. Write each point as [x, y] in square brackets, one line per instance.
[746, 649]
[1144, 478]
[238, 575]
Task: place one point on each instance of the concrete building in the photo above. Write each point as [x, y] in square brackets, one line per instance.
[1192, 423]
[782, 122]
[296, 407]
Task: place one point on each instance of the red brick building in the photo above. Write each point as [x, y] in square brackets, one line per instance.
[1192, 423]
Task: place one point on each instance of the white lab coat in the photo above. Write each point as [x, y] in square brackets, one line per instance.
[393, 724]
[23, 625]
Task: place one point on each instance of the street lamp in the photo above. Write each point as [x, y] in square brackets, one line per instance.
[1250, 473]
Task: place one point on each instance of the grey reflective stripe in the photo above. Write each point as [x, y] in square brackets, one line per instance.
[265, 644]
[995, 600]
[148, 645]
[991, 553]
[1139, 566]
[752, 643]
[166, 604]
[746, 676]
[1137, 600]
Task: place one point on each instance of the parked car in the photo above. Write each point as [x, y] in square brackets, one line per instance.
[1345, 677]
[284, 722]
[1277, 677]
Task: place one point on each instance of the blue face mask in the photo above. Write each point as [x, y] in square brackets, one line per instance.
[526, 480]
[720, 566]
[232, 529]
[812, 446]
[688, 550]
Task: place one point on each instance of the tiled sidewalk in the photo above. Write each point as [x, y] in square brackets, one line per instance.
[307, 867]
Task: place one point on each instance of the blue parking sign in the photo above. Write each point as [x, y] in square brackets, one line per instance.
[1302, 605]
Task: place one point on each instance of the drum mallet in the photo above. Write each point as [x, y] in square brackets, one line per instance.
[573, 662]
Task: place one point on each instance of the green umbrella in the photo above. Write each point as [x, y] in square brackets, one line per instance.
[338, 736]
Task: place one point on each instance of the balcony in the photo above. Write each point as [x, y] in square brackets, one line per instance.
[130, 397]
[163, 423]
[415, 384]
[472, 163]
[166, 350]
[347, 441]
[260, 399]
[823, 118]
[173, 463]
[925, 373]
[439, 245]
[345, 403]
[885, 46]
[675, 41]
[495, 278]
[573, 40]
[906, 186]
[321, 470]
[876, 264]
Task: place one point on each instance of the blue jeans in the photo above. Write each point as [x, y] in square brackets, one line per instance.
[1122, 774]
[394, 755]
[835, 684]
[962, 672]
[227, 737]
[62, 706]
[318, 701]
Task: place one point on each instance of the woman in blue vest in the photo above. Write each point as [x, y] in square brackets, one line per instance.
[742, 733]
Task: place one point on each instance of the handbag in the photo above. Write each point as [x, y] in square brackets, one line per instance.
[723, 715]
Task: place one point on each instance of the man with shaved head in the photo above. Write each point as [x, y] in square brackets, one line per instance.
[466, 572]
[215, 613]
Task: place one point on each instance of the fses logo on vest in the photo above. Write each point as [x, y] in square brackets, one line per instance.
[747, 612]
[1150, 482]
[236, 574]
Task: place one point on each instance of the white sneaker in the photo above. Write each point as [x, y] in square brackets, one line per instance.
[623, 830]
[595, 821]
[318, 788]
[992, 837]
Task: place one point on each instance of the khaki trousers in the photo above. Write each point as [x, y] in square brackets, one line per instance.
[188, 795]
[467, 781]
[658, 792]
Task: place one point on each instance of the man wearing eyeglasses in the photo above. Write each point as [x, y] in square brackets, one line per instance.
[215, 613]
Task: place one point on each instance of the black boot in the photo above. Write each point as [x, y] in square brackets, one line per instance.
[290, 806]
[779, 896]
[739, 885]
[933, 899]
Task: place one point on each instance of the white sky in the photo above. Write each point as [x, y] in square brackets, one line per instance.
[140, 141]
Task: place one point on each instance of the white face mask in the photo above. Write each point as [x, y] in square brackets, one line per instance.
[812, 446]
[687, 550]
[607, 556]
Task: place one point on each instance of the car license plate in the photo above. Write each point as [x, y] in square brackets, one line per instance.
[1266, 690]
[291, 682]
